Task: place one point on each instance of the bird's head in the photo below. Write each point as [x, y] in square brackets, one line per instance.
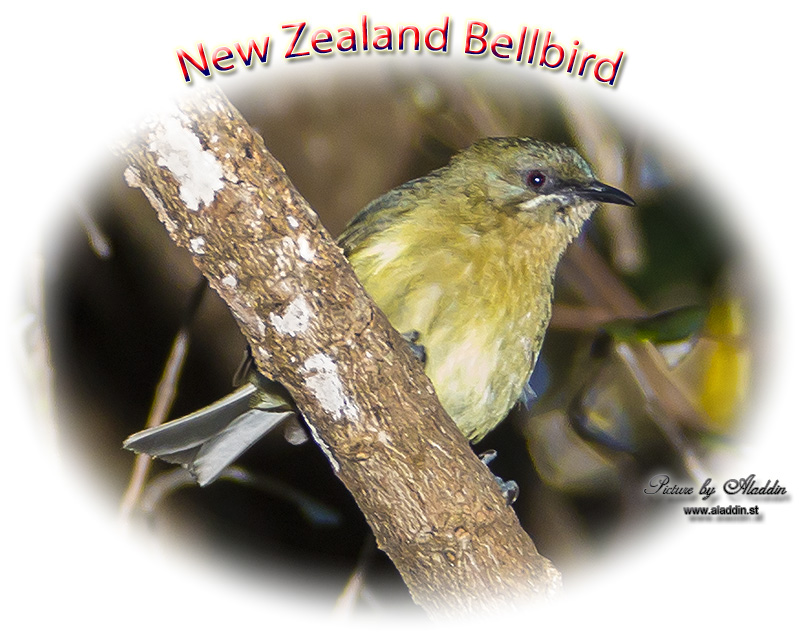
[541, 183]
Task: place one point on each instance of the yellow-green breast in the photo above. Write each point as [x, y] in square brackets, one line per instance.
[480, 300]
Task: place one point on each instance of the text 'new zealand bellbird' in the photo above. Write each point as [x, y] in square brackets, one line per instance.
[462, 261]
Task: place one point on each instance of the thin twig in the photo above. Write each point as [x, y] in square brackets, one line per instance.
[162, 400]
[605, 282]
[164, 484]
[346, 602]
[666, 422]
[98, 241]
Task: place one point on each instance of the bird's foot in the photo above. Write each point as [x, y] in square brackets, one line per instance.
[411, 337]
[508, 488]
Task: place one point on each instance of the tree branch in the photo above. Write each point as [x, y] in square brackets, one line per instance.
[435, 509]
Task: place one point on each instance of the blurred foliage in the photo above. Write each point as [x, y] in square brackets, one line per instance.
[646, 365]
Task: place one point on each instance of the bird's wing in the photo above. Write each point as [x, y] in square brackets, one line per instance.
[378, 215]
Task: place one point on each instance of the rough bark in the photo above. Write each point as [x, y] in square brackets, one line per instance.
[434, 507]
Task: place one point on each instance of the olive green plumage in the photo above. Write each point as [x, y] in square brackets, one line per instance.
[466, 256]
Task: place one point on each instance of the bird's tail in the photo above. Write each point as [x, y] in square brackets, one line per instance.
[210, 439]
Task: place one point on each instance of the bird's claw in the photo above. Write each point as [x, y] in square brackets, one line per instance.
[508, 488]
[418, 350]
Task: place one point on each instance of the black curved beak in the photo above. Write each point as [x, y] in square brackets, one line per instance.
[599, 192]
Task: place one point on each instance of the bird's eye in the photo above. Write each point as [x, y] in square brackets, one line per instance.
[536, 179]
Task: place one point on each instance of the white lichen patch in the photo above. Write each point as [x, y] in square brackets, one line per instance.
[197, 171]
[197, 245]
[261, 327]
[293, 223]
[229, 281]
[305, 249]
[132, 177]
[295, 319]
[326, 385]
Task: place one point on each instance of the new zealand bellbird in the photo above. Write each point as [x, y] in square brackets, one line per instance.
[463, 260]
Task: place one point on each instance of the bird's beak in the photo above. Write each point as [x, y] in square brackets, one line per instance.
[599, 192]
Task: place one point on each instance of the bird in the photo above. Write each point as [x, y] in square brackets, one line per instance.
[462, 262]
